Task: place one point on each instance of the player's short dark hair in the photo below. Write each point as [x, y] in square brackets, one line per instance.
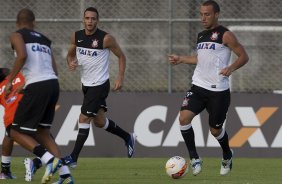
[3, 73]
[25, 15]
[212, 3]
[92, 9]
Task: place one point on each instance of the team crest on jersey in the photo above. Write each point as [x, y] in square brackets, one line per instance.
[214, 36]
[185, 102]
[95, 43]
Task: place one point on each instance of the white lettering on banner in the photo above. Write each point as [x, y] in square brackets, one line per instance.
[144, 136]
[248, 118]
[277, 143]
[198, 131]
[68, 133]
[174, 136]
[257, 140]
[147, 138]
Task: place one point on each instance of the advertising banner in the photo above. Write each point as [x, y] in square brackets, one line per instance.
[253, 123]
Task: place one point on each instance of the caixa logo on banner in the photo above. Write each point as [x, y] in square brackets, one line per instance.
[250, 131]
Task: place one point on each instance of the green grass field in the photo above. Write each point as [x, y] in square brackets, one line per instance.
[151, 171]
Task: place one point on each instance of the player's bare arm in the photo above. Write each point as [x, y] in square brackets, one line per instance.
[175, 59]
[71, 57]
[231, 41]
[18, 44]
[110, 43]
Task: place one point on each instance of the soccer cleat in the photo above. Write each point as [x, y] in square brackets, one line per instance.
[29, 169]
[226, 166]
[130, 145]
[6, 176]
[68, 160]
[68, 180]
[51, 168]
[196, 165]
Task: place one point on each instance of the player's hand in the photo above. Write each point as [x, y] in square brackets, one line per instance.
[226, 71]
[8, 89]
[19, 89]
[174, 59]
[72, 64]
[118, 83]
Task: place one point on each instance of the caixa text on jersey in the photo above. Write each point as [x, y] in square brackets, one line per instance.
[87, 52]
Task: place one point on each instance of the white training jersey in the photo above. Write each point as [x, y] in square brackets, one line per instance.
[93, 59]
[212, 57]
[38, 64]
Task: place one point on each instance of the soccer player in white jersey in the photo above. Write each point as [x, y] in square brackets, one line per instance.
[35, 113]
[210, 83]
[89, 51]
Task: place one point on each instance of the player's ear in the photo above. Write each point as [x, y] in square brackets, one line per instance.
[217, 15]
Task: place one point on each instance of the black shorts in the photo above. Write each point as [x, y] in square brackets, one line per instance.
[95, 99]
[215, 102]
[37, 107]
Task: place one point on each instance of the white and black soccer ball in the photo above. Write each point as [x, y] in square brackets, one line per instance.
[176, 167]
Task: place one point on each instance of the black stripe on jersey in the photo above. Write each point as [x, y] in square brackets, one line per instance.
[213, 35]
[31, 36]
[94, 41]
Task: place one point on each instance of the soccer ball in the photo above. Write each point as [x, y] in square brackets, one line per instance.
[176, 167]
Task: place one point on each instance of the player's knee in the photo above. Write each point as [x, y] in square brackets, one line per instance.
[215, 132]
[83, 118]
[186, 117]
[99, 123]
[183, 121]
